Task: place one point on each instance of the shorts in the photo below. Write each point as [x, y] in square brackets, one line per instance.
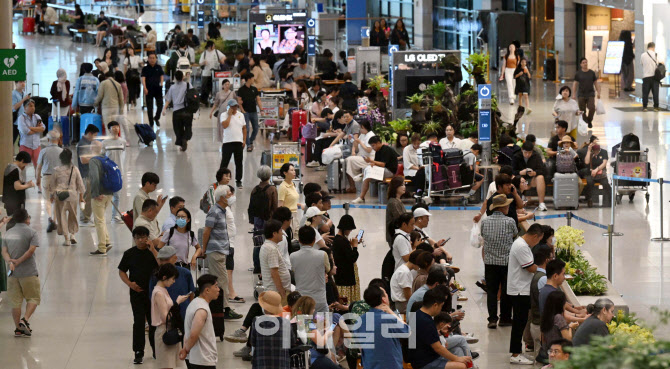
[478, 177]
[46, 180]
[230, 261]
[23, 288]
[438, 363]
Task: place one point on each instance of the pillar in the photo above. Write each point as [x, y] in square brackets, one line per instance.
[6, 147]
[643, 33]
[423, 24]
[565, 37]
[355, 9]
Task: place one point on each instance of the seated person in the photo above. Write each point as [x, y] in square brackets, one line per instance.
[594, 159]
[553, 147]
[349, 130]
[508, 148]
[527, 163]
[421, 220]
[102, 24]
[532, 139]
[413, 169]
[565, 158]
[385, 157]
[455, 343]
[559, 350]
[325, 137]
[356, 162]
[401, 281]
[470, 159]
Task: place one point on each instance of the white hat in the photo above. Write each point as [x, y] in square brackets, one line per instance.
[312, 212]
[420, 212]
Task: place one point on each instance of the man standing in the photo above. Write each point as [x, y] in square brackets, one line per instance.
[100, 200]
[216, 244]
[276, 275]
[182, 119]
[310, 267]
[148, 220]
[152, 81]
[210, 60]
[234, 133]
[520, 271]
[19, 97]
[18, 250]
[199, 339]
[585, 96]
[175, 203]
[503, 186]
[649, 61]
[31, 128]
[113, 147]
[14, 187]
[384, 351]
[498, 231]
[135, 269]
[84, 157]
[46, 163]
[149, 183]
[250, 99]
[541, 256]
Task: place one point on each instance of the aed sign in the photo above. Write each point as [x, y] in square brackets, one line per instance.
[12, 64]
[423, 58]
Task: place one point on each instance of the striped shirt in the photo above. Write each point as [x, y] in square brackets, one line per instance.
[218, 238]
[498, 231]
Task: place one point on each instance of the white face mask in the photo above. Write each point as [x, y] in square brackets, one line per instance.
[231, 200]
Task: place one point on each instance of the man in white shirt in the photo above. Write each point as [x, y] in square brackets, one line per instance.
[468, 142]
[284, 215]
[450, 142]
[649, 61]
[401, 281]
[402, 246]
[210, 59]
[520, 270]
[234, 134]
[361, 149]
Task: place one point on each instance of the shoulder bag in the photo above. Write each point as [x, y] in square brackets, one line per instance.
[64, 195]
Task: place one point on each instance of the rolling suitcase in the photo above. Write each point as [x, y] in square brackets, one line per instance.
[298, 119]
[310, 144]
[454, 176]
[145, 133]
[76, 120]
[42, 104]
[266, 158]
[566, 190]
[336, 176]
[63, 122]
[452, 157]
[28, 25]
[88, 119]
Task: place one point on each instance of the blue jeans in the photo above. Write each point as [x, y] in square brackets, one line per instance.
[115, 202]
[438, 363]
[458, 345]
[253, 119]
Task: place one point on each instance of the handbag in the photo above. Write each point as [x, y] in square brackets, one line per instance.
[174, 327]
[64, 195]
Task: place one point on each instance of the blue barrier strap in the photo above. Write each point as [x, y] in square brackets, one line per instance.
[634, 179]
[589, 222]
[553, 216]
[432, 208]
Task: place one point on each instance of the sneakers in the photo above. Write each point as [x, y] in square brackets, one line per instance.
[358, 200]
[239, 185]
[481, 285]
[108, 247]
[66, 243]
[470, 338]
[239, 336]
[656, 109]
[505, 323]
[461, 297]
[52, 226]
[492, 325]
[520, 360]
[321, 168]
[139, 357]
[98, 253]
[312, 164]
[230, 314]
[244, 351]
[542, 207]
[644, 109]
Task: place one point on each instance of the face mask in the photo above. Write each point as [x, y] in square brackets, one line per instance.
[181, 223]
[553, 240]
[231, 200]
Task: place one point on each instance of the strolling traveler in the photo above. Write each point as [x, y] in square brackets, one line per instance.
[84, 155]
[85, 90]
[152, 82]
[182, 119]
[199, 339]
[589, 89]
[66, 179]
[234, 133]
[167, 356]
[113, 147]
[250, 99]
[46, 162]
[31, 127]
[100, 199]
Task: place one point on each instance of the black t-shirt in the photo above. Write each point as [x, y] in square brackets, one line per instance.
[153, 77]
[243, 64]
[553, 142]
[141, 264]
[81, 19]
[390, 158]
[596, 159]
[512, 207]
[248, 96]
[426, 334]
[11, 197]
[586, 82]
[103, 19]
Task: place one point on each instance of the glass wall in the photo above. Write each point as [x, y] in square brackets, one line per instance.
[455, 25]
[393, 9]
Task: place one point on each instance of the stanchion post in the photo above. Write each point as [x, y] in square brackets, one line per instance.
[661, 239]
[569, 217]
[610, 229]
[610, 251]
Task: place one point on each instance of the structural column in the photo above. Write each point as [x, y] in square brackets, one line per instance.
[423, 24]
[643, 33]
[565, 37]
[6, 144]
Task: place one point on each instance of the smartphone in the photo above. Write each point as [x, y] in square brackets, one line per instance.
[445, 241]
[360, 235]
[534, 210]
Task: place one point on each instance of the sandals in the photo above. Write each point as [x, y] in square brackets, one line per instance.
[237, 299]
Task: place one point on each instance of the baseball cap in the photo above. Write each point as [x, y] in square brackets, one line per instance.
[420, 212]
[312, 212]
[166, 252]
[232, 103]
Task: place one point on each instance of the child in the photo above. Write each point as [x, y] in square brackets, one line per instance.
[522, 77]
[113, 147]
[565, 158]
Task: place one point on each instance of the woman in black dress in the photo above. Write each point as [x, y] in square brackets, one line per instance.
[377, 35]
[399, 35]
[522, 89]
[349, 94]
[345, 254]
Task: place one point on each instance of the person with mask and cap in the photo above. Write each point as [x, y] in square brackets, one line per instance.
[595, 160]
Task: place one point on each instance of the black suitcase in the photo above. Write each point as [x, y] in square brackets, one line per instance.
[452, 157]
[42, 104]
[549, 69]
[266, 158]
[161, 47]
[76, 120]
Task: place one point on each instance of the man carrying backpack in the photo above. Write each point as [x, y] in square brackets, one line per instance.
[182, 119]
[103, 185]
[649, 61]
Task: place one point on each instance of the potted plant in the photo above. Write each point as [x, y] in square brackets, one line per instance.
[436, 90]
[401, 125]
[415, 101]
[431, 127]
[476, 65]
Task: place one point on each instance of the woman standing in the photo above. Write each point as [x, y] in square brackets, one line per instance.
[522, 81]
[510, 62]
[132, 65]
[387, 32]
[110, 58]
[342, 65]
[60, 94]
[221, 103]
[553, 324]
[328, 67]
[67, 179]
[566, 108]
[399, 35]
[167, 356]
[602, 312]
[345, 254]
[287, 194]
[395, 207]
[181, 237]
[627, 62]
[377, 35]
[118, 77]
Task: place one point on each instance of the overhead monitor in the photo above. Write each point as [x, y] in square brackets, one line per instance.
[613, 57]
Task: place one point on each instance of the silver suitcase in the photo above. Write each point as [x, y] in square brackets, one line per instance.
[566, 190]
[337, 177]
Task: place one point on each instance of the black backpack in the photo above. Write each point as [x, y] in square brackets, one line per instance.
[174, 327]
[192, 100]
[259, 204]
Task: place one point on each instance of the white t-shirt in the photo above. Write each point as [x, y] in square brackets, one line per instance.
[446, 144]
[518, 278]
[234, 131]
[365, 138]
[134, 62]
[401, 247]
[402, 278]
[465, 144]
[492, 189]
[283, 249]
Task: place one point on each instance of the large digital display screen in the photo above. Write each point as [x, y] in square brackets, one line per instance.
[613, 57]
[281, 38]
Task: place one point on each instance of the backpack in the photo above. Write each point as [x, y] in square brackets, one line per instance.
[190, 234]
[309, 131]
[192, 100]
[183, 63]
[659, 72]
[206, 201]
[174, 327]
[110, 179]
[565, 162]
[259, 204]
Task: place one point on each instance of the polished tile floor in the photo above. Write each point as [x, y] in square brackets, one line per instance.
[85, 319]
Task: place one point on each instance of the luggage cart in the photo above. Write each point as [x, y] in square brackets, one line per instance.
[438, 188]
[286, 152]
[270, 114]
[632, 164]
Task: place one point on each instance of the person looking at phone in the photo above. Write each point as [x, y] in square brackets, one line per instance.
[149, 183]
[31, 128]
[148, 220]
[528, 163]
[421, 219]
[345, 255]
[456, 344]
